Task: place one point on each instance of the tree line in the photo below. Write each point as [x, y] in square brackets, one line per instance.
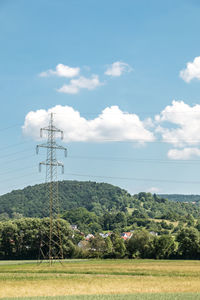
[22, 239]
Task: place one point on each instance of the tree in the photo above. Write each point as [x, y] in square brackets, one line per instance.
[107, 221]
[97, 247]
[139, 214]
[8, 240]
[119, 248]
[109, 248]
[140, 244]
[164, 246]
[189, 243]
[4, 217]
[190, 220]
[23, 238]
[86, 221]
[198, 225]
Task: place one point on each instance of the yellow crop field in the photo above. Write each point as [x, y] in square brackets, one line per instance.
[99, 277]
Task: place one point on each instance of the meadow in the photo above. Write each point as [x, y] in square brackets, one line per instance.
[100, 280]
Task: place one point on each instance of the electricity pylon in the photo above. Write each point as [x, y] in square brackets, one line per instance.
[54, 244]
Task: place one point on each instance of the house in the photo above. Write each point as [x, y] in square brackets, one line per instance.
[74, 227]
[126, 235]
[89, 236]
[105, 235]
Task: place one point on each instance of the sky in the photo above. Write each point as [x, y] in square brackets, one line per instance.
[123, 81]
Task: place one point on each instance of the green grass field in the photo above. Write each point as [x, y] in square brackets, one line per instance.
[100, 279]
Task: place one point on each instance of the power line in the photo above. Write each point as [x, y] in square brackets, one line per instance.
[25, 184]
[14, 145]
[17, 170]
[9, 127]
[14, 178]
[17, 159]
[135, 179]
[174, 181]
[137, 160]
[11, 154]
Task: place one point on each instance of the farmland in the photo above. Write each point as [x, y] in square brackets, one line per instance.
[106, 279]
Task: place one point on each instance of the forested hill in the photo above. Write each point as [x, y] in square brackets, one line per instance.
[97, 198]
[32, 201]
[181, 198]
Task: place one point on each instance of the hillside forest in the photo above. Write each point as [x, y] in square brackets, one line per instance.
[100, 220]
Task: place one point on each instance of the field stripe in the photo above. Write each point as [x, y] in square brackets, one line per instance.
[159, 296]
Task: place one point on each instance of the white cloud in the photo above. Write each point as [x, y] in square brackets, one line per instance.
[182, 124]
[153, 190]
[182, 154]
[111, 125]
[117, 69]
[192, 70]
[80, 83]
[179, 125]
[61, 71]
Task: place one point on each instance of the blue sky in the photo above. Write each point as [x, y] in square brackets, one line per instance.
[112, 68]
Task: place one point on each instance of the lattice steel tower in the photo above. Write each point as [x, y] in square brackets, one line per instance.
[54, 244]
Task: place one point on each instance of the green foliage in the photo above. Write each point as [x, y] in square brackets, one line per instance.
[22, 239]
[181, 198]
[188, 243]
[98, 198]
[109, 247]
[95, 197]
[119, 248]
[94, 208]
[140, 244]
[164, 247]
[98, 247]
[85, 220]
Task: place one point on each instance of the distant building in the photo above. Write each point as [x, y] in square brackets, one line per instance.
[153, 233]
[83, 245]
[105, 235]
[74, 227]
[89, 236]
[126, 235]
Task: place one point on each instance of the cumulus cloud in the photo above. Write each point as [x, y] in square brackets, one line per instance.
[61, 71]
[182, 154]
[117, 69]
[74, 85]
[192, 70]
[110, 126]
[179, 124]
[80, 83]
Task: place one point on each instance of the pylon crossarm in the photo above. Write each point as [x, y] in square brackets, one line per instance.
[40, 165]
[53, 128]
[55, 146]
[53, 164]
